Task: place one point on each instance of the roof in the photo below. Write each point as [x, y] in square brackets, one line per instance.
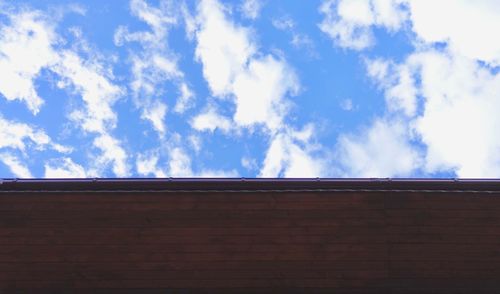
[345, 236]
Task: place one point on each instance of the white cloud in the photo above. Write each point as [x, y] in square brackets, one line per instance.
[445, 98]
[382, 150]
[212, 173]
[178, 164]
[251, 8]
[469, 30]
[358, 12]
[64, 168]
[111, 153]
[147, 165]
[223, 47]
[99, 94]
[390, 13]
[150, 71]
[155, 63]
[257, 83]
[349, 22]
[15, 165]
[249, 163]
[157, 18]
[195, 142]
[470, 27]
[155, 113]
[459, 123]
[28, 45]
[303, 41]
[291, 155]
[260, 90]
[209, 120]
[343, 32]
[13, 135]
[398, 83]
[185, 100]
[21, 136]
[25, 49]
[93, 82]
[378, 69]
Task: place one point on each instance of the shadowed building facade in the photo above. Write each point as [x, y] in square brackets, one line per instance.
[249, 236]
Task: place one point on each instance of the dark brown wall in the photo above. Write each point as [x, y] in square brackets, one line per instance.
[309, 242]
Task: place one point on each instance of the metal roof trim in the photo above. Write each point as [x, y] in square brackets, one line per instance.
[149, 184]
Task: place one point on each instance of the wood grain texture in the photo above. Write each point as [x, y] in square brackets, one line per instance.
[307, 242]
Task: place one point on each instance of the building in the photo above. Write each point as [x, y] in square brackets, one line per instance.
[249, 236]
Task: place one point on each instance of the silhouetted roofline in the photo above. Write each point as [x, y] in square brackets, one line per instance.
[235, 184]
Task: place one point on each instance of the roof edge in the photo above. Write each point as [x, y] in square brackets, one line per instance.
[218, 184]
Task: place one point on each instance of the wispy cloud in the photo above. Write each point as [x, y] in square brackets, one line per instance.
[64, 168]
[349, 22]
[298, 40]
[16, 165]
[185, 99]
[210, 120]
[257, 83]
[251, 8]
[111, 153]
[178, 164]
[155, 63]
[147, 164]
[25, 49]
[292, 154]
[398, 82]
[21, 136]
[30, 44]
[99, 94]
[382, 150]
[442, 96]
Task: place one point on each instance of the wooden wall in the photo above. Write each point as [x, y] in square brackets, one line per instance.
[314, 242]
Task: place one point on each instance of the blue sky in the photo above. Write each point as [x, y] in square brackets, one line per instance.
[249, 88]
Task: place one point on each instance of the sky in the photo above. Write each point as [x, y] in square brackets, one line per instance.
[250, 88]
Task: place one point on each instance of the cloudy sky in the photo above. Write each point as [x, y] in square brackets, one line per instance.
[250, 88]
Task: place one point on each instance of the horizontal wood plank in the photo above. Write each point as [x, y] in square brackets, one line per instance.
[352, 242]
